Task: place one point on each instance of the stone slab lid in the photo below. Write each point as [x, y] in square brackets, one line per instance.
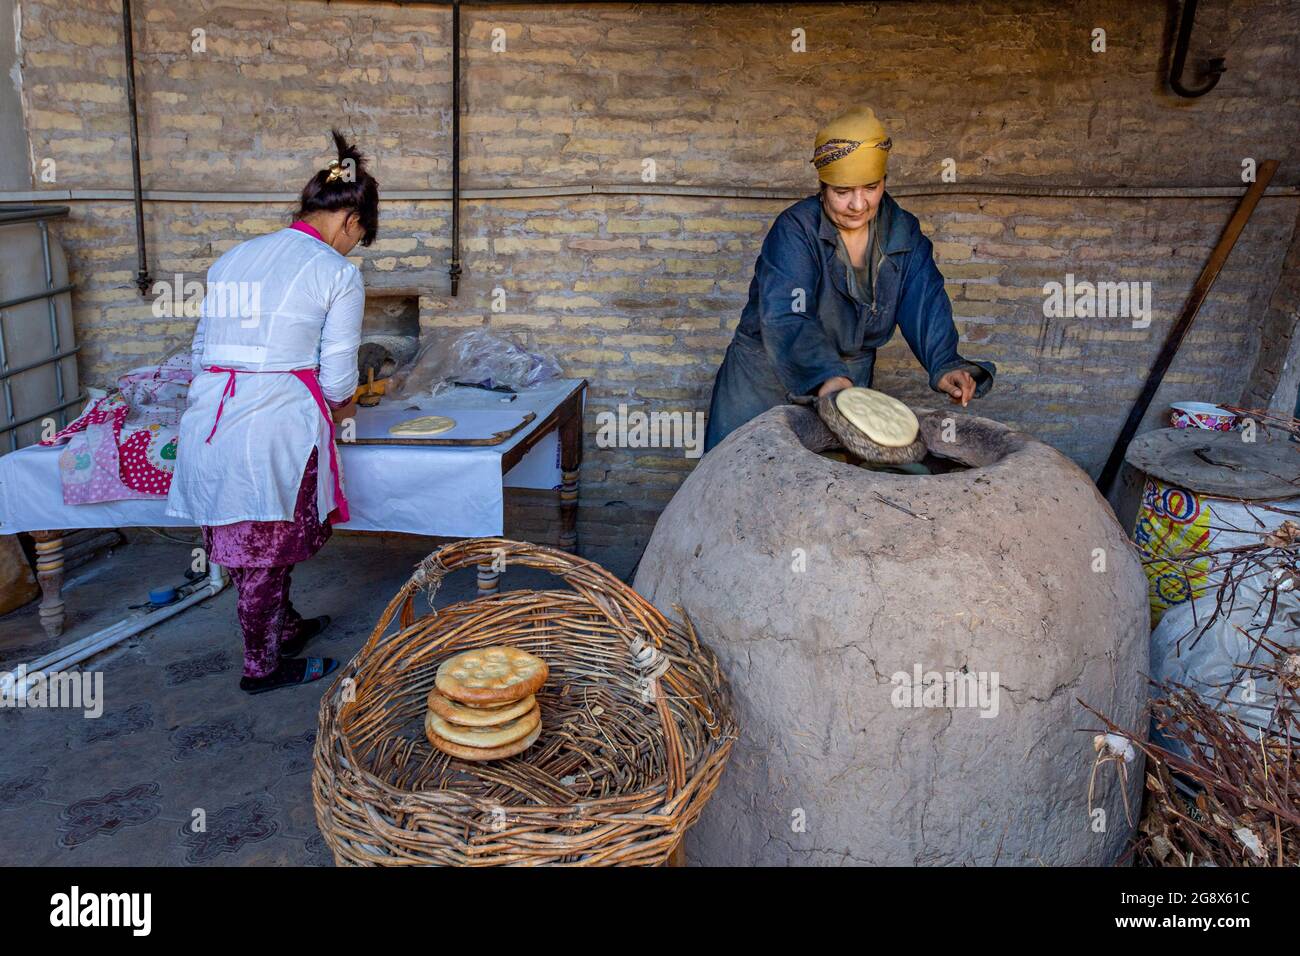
[1219, 463]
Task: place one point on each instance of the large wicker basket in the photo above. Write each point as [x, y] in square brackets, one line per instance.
[637, 727]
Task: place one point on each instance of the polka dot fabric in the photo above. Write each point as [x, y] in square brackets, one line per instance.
[124, 446]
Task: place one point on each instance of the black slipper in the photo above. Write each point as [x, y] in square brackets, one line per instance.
[308, 628]
[290, 673]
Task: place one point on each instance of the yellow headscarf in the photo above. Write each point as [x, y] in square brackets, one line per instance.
[852, 149]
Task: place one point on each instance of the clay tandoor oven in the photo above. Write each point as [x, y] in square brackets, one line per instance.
[906, 651]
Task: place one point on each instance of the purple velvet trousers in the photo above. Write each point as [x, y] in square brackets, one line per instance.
[266, 616]
[260, 556]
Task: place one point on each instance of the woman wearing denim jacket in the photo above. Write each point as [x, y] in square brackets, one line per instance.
[837, 273]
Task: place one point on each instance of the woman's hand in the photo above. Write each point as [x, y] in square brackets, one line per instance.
[960, 386]
[835, 384]
[343, 413]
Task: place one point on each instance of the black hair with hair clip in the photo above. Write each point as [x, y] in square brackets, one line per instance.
[344, 184]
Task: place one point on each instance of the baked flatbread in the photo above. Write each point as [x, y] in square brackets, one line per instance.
[485, 738]
[883, 419]
[423, 427]
[478, 715]
[481, 753]
[490, 675]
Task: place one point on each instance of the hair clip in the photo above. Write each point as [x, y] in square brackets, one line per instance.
[335, 171]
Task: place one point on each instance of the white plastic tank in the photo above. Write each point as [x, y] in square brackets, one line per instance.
[38, 365]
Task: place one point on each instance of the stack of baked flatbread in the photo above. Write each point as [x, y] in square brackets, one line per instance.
[482, 706]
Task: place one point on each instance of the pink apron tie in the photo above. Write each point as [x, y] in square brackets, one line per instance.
[221, 406]
[309, 378]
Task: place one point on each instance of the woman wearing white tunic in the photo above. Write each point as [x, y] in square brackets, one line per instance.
[275, 366]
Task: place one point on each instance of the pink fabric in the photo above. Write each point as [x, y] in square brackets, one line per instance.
[310, 230]
[260, 556]
[228, 391]
[309, 378]
[124, 446]
[267, 618]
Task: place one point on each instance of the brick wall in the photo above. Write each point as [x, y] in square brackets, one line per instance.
[639, 292]
[1275, 380]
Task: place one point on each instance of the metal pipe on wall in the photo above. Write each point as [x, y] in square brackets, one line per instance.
[453, 272]
[660, 189]
[143, 280]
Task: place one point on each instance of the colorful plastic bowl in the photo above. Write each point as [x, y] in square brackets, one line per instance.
[1202, 415]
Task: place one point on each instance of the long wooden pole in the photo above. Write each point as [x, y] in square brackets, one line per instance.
[1176, 335]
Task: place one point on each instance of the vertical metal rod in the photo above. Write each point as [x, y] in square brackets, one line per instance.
[54, 319]
[8, 386]
[142, 279]
[454, 271]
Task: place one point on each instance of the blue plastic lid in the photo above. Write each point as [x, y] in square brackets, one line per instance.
[162, 596]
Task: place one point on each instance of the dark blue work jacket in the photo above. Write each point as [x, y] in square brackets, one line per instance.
[802, 326]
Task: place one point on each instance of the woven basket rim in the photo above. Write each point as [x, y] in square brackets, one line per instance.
[690, 697]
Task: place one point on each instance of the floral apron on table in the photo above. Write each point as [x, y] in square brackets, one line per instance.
[123, 446]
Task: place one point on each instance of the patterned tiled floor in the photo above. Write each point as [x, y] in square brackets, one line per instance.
[183, 768]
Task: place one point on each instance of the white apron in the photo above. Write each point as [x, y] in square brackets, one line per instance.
[281, 302]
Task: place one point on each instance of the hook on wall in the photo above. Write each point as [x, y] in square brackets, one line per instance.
[1214, 69]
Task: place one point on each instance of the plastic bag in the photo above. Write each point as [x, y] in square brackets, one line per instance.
[479, 357]
[1221, 662]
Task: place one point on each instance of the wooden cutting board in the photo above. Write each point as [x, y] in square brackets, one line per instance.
[474, 427]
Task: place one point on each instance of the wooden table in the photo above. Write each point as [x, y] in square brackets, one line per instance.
[565, 419]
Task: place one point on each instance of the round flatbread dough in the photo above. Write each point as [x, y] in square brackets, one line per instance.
[883, 419]
[490, 675]
[481, 715]
[423, 427]
[485, 738]
[481, 753]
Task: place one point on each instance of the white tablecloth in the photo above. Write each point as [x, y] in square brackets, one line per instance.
[451, 492]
